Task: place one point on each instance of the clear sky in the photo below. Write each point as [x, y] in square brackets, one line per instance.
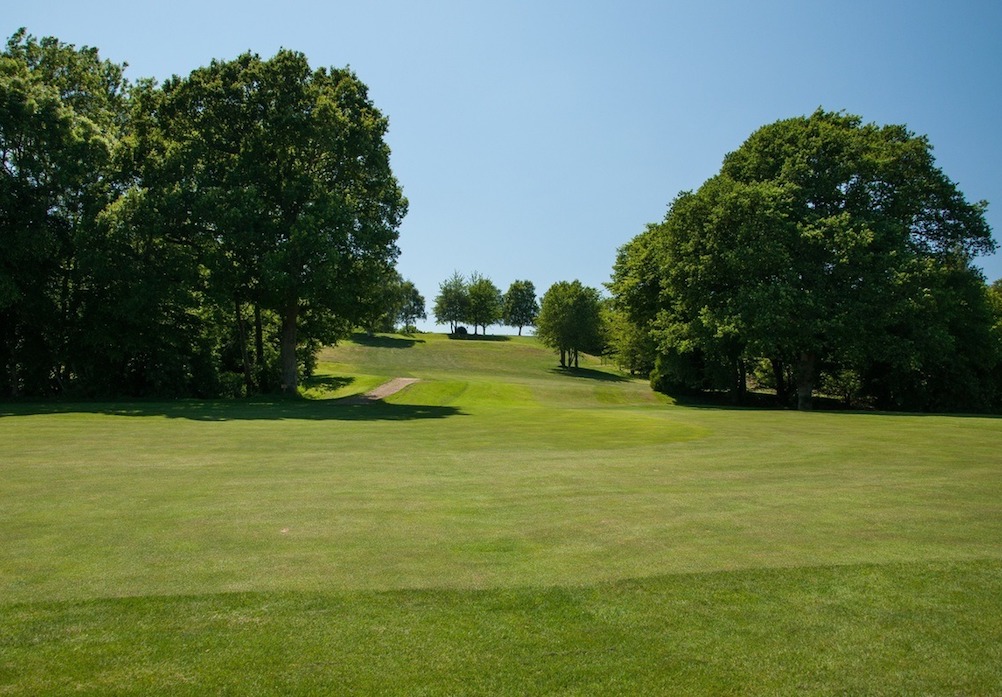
[534, 138]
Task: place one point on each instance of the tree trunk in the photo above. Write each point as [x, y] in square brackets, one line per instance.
[262, 378]
[779, 375]
[12, 371]
[258, 336]
[287, 357]
[244, 354]
[520, 330]
[740, 381]
[805, 381]
[575, 358]
[62, 369]
[563, 358]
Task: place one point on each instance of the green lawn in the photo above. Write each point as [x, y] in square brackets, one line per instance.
[501, 527]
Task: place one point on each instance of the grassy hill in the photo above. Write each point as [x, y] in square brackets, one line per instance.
[500, 527]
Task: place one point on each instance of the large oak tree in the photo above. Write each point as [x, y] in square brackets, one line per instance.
[285, 177]
[822, 242]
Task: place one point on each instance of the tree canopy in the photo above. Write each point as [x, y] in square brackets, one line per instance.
[60, 124]
[411, 305]
[145, 228]
[452, 302]
[476, 301]
[393, 302]
[570, 321]
[519, 306]
[823, 245]
[288, 177]
[485, 302]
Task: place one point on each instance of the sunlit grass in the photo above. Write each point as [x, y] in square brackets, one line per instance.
[501, 526]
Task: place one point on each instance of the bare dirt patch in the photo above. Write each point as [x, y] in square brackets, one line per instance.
[383, 391]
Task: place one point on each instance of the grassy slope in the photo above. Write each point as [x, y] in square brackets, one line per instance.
[498, 527]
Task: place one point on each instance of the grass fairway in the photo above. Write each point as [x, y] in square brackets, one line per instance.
[500, 527]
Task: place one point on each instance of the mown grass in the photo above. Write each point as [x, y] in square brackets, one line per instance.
[500, 527]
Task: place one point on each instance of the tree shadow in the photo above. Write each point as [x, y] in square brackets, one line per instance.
[588, 374]
[327, 382]
[275, 409]
[725, 401]
[479, 337]
[382, 341]
[722, 401]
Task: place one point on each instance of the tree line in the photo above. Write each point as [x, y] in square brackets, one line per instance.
[197, 237]
[205, 236]
[569, 318]
[829, 256]
[478, 302]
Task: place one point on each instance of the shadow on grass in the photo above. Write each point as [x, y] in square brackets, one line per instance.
[242, 410]
[380, 341]
[722, 401]
[725, 401]
[588, 374]
[479, 337]
[327, 382]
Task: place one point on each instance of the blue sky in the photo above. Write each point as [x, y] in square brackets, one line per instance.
[535, 138]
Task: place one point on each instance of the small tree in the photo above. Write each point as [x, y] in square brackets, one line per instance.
[411, 305]
[382, 304]
[629, 344]
[570, 321]
[452, 302]
[485, 303]
[520, 308]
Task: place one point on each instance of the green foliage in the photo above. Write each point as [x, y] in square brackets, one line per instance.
[476, 301]
[391, 301]
[829, 246]
[570, 321]
[519, 306]
[156, 240]
[485, 306]
[630, 345]
[411, 305]
[452, 302]
[288, 177]
[60, 110]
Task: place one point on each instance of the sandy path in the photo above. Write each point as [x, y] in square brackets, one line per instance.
[384, 390]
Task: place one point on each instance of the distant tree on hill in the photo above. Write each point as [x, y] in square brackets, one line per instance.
[520, 307]
[392, 302]
[452, 302]
[412, 305]
[485, 303]
[570, 321]
[382, 303]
